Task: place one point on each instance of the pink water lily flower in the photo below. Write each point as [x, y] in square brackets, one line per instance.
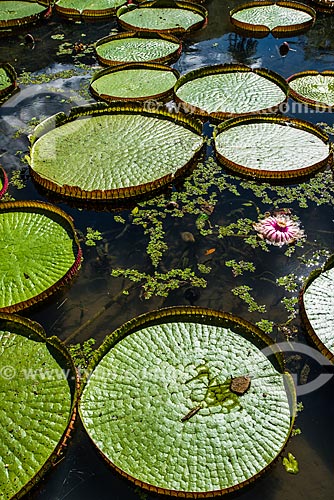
[279, 229]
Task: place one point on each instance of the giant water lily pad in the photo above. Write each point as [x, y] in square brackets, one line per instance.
[280, 18]
[317, 308]
[38, 395]
[117, 151]
[137, 47]
[166, 16]
[182, 401]
[39, 253]
[3, 182]
[7, 79]
[224, 90]
[272, 147]
[138, 81]
[87, 8]
[17, 13]
[313, 88]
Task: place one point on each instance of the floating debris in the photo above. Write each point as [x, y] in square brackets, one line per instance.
[240, 385]
[188, 237]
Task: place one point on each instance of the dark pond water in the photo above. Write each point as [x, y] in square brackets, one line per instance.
[52, 80]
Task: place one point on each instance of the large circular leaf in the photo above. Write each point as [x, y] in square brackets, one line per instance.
[182, 401]
[313, 88]
[137, 47]
[116, 152]
[87, 8]
[166, 16]
[39, 253]
[271, 147]
[38, 396]
[280, 18]
[7, 79]
[3, 182]
[139, 81]
[231, 89]
[317, 308]
[16, 13]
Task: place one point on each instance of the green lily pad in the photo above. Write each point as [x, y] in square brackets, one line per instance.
[19, 12]
[317, 308]
[7, 79]
[38, 396]
[137, 47]
[3, 182]
[138, 81]
[161, 405]
[313, 88]
[271, 147]
[165, 17]
[87, 8]
[231, 89]
[277, 17]
[39, 253]
[117, 151]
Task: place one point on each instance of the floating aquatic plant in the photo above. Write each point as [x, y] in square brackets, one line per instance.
[38, 405]
[259, 18]
[199, 387]
[279, 229]
[18, 13]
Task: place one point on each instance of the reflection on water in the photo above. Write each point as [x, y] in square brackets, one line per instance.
[95, 303]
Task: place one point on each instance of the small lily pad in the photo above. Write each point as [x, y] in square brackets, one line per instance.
[230, 89]
[139, 81]
[313, 89]
[282, 17]
[271, 147]
[166, 16]
[137, 47]
[87, 8]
